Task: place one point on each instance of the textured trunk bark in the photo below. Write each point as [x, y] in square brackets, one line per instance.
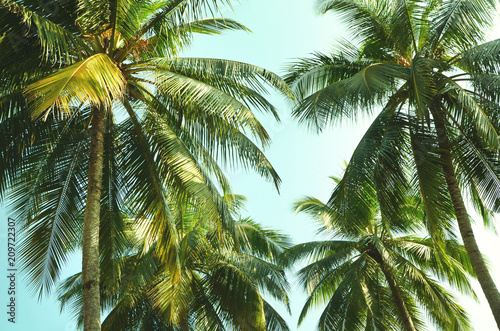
[396, 292]
[184, 324]
[90, 249]
[483, 275]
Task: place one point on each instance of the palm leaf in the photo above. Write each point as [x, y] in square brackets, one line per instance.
[96, 80]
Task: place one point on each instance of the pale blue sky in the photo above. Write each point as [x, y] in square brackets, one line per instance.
[282, 31]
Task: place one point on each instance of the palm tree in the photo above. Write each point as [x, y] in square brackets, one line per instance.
[379, 276]
[425, 66]
[125, 120]
[217, 285]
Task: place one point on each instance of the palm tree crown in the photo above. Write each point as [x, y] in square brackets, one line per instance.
[379, 276]
[217, 285]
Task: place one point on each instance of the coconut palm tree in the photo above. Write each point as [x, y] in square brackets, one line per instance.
[217, 285]
[425, 66]
[379, 276]
[125, 119]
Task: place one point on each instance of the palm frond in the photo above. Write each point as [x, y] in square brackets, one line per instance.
[57, 44]
[96, 81]
[480, 58]
[49, 195]
[460, 24]
[430, 184]
[344, 99]
[371, 21]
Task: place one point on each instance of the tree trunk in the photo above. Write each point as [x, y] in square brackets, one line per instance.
[396, 292]
[90, 250]
[184, 323]
[483, 275]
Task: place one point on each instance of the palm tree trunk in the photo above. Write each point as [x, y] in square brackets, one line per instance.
[184, 323]
[90, 250]
[396, 292]
[483, 275]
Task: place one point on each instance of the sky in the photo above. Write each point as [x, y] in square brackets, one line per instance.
[282, 30]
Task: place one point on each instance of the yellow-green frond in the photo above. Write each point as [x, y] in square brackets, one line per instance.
[96, 80]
